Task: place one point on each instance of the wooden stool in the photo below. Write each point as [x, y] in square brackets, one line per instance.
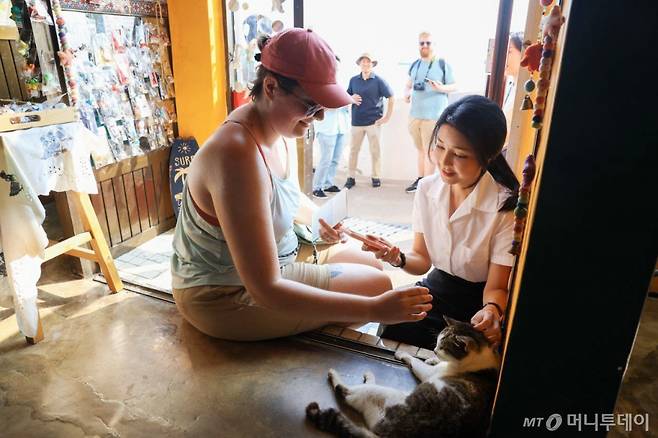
[93, 234]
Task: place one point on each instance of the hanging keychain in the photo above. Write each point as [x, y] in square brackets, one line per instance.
[66, 53]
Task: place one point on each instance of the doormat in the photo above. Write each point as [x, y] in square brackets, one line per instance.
[147, 266]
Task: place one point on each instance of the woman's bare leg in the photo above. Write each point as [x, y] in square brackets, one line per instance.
[351, 252]
[358, 279]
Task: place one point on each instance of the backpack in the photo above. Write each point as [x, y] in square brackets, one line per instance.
[442, 66]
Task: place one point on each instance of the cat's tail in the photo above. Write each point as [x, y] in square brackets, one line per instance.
[335, 422]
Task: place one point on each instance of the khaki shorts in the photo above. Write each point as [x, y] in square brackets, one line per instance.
[421, 132]
[230, 312]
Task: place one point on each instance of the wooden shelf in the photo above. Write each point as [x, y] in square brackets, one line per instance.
[8, 32]
[34, 119]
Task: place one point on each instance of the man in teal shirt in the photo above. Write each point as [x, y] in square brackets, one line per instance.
[430, 81]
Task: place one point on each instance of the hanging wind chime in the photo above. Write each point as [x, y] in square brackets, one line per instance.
[65, 53]
[537, 57]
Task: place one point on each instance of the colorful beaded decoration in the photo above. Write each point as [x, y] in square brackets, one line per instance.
[521, 210]
[551, 28]
[66, 53]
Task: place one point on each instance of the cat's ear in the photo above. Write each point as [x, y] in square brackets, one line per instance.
[469, 343]
[450, 321]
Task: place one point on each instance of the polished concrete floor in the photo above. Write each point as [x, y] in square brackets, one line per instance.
[127, 365]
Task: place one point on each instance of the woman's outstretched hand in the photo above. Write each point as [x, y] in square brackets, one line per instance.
[487, 321]
[390, 254]
[407, 304]
[331, 234]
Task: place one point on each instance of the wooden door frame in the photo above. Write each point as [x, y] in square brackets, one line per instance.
[591, 245]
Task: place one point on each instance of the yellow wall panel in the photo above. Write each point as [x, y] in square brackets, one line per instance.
[199, 63]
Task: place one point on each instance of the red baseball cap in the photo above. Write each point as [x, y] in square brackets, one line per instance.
[301, 54]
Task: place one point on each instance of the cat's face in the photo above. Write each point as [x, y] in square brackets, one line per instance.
[458, 340]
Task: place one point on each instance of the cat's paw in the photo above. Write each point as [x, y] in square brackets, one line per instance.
[404, 357]
[333, 378]
[432, 361]
[312, 411]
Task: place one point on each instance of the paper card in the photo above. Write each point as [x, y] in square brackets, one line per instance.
[332, 211]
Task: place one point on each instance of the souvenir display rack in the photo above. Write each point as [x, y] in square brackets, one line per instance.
[124, 82]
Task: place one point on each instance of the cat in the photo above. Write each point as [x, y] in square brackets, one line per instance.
[453, 399]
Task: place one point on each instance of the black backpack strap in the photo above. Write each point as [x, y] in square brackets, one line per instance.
[442, 64]
[413, 64]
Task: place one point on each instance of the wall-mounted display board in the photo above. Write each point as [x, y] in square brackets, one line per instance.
[124, 81]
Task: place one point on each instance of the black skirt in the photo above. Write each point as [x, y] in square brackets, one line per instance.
[452, 296]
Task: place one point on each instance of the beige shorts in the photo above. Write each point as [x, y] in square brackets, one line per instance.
[421, 132]
[230, 312]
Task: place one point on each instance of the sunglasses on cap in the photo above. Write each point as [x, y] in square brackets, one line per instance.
[425, 43]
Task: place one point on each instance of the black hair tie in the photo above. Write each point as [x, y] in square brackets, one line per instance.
[257, 57]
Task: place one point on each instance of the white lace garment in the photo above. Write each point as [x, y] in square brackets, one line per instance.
[34, 162]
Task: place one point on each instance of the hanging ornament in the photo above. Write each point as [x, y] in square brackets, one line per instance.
[527, 103]
[233, 5]
[529, 86]
[552, 23]
[521, 210]
[531, 57]
[245, 6]
[66, 52]
[23, 48]
[550, 28]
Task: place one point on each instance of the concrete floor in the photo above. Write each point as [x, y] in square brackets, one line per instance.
[127, 365]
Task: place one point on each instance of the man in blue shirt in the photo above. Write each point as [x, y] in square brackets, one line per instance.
[430, 81]
[368, 91]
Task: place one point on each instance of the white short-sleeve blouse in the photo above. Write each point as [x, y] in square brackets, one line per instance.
[475, 235]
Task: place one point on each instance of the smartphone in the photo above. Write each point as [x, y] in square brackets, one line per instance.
[370, 242]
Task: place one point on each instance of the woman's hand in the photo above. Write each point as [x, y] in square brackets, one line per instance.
[407, 304]
[487, 320]
[391, 254]
[331, 235]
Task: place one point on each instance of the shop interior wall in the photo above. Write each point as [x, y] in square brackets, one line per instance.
[199, 63]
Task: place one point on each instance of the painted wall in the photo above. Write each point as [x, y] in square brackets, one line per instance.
[199, 63]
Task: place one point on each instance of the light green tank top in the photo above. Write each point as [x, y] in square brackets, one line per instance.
[201, 255]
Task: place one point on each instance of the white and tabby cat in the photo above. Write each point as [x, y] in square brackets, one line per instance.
[453, 398]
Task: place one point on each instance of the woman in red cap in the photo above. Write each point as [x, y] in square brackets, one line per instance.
[238, 270]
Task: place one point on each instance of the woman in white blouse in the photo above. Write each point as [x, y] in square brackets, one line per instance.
[463, 225]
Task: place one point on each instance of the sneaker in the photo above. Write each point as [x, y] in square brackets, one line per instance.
[332, 189]
[319, 194]
[376, 182]
[350, 183]
[412, 188]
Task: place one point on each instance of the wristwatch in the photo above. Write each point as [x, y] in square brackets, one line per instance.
[403, 261]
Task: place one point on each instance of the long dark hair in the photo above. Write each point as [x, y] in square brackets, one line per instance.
[483, 123]
[256, 89]
[516, 38]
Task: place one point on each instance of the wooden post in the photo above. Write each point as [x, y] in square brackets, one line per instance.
[98, 243]
[39, 336]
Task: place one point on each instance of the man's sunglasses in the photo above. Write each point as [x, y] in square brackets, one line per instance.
[425, 43]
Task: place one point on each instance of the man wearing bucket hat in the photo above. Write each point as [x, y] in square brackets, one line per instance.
[238, 271]
[368, 91]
